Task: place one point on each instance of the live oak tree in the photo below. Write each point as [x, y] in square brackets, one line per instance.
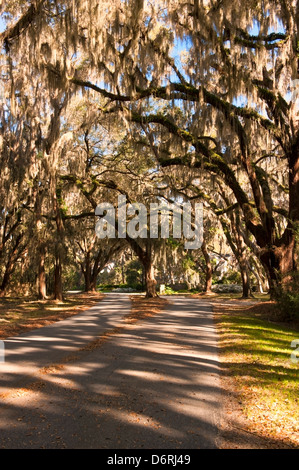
[30, 140]
[92, 255]
[102, 163]
[228, 109]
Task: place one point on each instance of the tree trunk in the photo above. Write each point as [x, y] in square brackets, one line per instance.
[279, 264]
[58, 294]
[257, 271]
[5, 281]
[90, 281]
[87, 281]
[123, 280]
[87, 272]
[245, 279]
[40, 246]
[91, 273]
[11, 263]
[150, 281]
[145, 257]
[42, 287]
[209, 271]
[93, 283]
[59, 249]
[239, 250]
[278, 256]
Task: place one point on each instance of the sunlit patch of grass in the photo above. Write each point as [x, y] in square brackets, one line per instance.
[231, 296]
[256, 353]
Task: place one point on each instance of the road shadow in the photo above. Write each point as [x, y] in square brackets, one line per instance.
[155, 385]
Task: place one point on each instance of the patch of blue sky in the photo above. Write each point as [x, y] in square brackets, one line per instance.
[254, 30]
[2, 25]
[180, 46]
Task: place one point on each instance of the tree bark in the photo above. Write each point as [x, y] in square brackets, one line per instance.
[11, 263]
[279, 264]
[87, 272]
[93, 283]
[237, 244]
[58, 293]
[42, 286]
[245, 279]
[262, 284]
[150, 281]
[90, 278]
[40, 247]
[146, 258]
[209, 271]
[242, 258]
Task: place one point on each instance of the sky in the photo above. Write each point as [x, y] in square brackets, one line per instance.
[181, 45]
[2, 25]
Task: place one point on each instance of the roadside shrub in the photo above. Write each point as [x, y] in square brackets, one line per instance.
[231, 277]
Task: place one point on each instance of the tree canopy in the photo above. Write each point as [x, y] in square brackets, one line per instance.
[175, 99]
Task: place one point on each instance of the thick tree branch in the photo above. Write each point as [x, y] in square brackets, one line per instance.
[22, 24]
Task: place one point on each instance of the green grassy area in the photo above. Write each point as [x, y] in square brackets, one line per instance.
[215, 297]
[105, 288]
[256, 353]
[170, 291]
[111, 287]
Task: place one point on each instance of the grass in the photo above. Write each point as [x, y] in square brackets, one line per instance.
[21, 314]
[256, 354]
[232, 296]
[170, 291]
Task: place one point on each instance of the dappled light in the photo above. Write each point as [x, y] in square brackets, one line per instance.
[149, 224]
[257, 354]
[150, 385]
